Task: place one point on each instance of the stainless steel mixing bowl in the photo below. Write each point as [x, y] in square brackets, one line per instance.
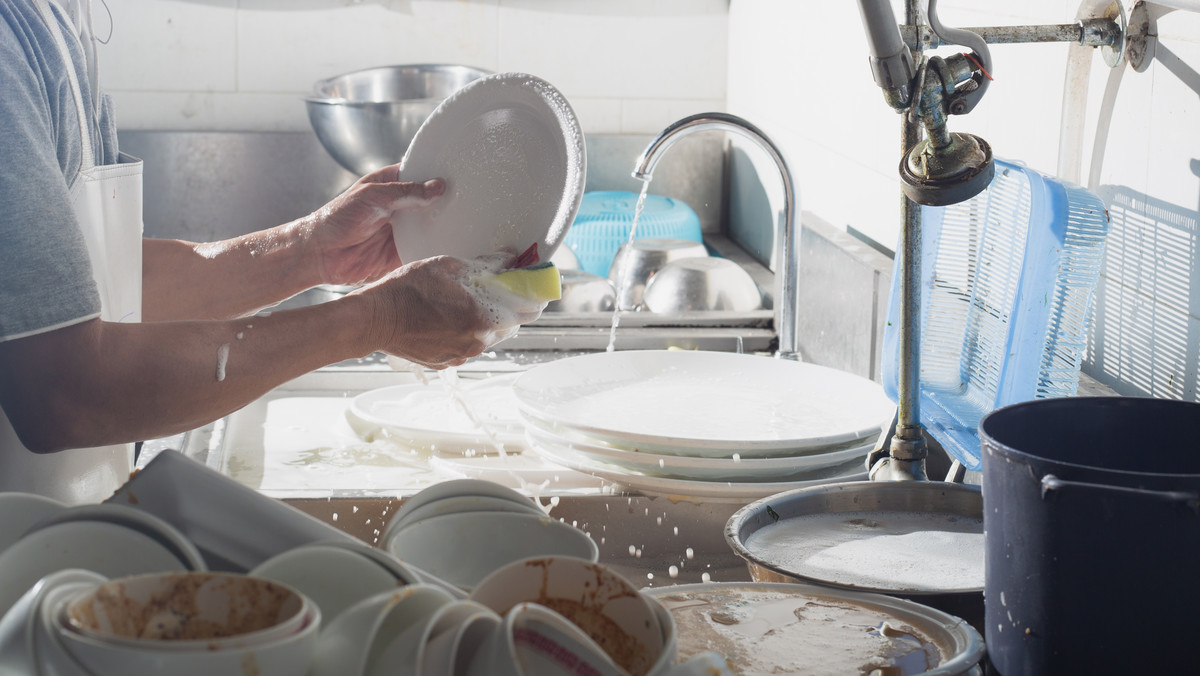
[367, 118]
[584, 292]
[638, 261]
[701, 285]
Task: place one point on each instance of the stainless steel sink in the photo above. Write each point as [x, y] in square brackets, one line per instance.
[266, 446]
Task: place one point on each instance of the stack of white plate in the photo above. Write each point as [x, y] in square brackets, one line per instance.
[702, 424]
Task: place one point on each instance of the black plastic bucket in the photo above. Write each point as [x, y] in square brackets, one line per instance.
[1091, 514]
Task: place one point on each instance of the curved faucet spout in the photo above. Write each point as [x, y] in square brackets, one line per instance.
[788, 259]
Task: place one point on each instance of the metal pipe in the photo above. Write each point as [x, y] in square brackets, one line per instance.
[787, 303]
[1099, 32]
[907, 450]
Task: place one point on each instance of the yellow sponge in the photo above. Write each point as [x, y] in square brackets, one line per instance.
[540, 282]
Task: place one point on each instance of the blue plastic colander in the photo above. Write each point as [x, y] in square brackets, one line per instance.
[1006, 286]
[605, 217]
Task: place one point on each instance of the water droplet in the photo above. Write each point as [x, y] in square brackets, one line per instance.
[690, 554]
[673, 571]
[705, 577]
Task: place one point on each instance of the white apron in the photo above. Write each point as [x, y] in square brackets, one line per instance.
[108, 206]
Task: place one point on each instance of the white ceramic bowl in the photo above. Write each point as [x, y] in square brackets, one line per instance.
[354, 640]
[407, 652]
[284, 648]
[21, 511]
[464, 548]
[592, 596]
[536, 641]
[334, 578]
[19, 626]
[53, 657]
[452, 650]
[189, 612]
[454, 488]
[463, 503]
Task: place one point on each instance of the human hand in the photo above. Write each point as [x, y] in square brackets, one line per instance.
[350, 238]
[424, 313]
[434, 312]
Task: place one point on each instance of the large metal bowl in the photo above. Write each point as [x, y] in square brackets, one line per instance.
[367, 118]
[707, 284]
[638, 261]
[884, 501]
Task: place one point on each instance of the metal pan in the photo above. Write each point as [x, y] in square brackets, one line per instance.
[918, 540]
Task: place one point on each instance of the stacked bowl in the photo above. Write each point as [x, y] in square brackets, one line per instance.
[463, 530]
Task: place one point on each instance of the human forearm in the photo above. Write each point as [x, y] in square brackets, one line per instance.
[223, 280]
[99, 383]
[348, 241]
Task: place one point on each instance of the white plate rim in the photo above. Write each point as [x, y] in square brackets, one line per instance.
[697, 468]
[686, 489]
[530, 387]
[477, 98]
[442, 439]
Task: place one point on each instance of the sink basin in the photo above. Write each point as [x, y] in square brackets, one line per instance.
[295, 444]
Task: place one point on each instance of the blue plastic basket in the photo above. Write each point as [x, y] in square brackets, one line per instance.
[605, 217]
[1006, 287]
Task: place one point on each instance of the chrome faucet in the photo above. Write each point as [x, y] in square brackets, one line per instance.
[788, 266]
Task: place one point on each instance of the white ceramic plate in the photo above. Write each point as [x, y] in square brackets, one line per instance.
[702, 468]
[430, 415]
[704, 403]
[512, 154]
[684, 489]
[105, 548]
[147, 524]
[21, 511]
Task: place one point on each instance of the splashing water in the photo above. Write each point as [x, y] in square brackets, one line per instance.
[449, 378]
[623, 282]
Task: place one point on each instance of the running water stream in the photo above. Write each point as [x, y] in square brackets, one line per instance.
[623, 274]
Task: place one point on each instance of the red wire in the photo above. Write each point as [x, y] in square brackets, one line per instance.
[979, 65]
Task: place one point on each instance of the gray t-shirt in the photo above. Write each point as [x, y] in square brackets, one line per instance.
[45, 275]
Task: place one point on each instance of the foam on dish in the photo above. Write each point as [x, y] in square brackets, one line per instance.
[893, 550]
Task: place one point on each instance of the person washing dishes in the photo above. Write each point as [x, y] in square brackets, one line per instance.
[107, 338]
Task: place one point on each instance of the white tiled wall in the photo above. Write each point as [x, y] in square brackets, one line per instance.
[799, 70]
[627, 66]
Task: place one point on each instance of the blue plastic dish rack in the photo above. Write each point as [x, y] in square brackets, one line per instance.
[605, 218]
[1006, 287]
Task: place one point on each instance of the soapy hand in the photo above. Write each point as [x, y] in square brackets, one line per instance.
[441, 311]
[511, 297]
[351, 236]
[424, 313]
